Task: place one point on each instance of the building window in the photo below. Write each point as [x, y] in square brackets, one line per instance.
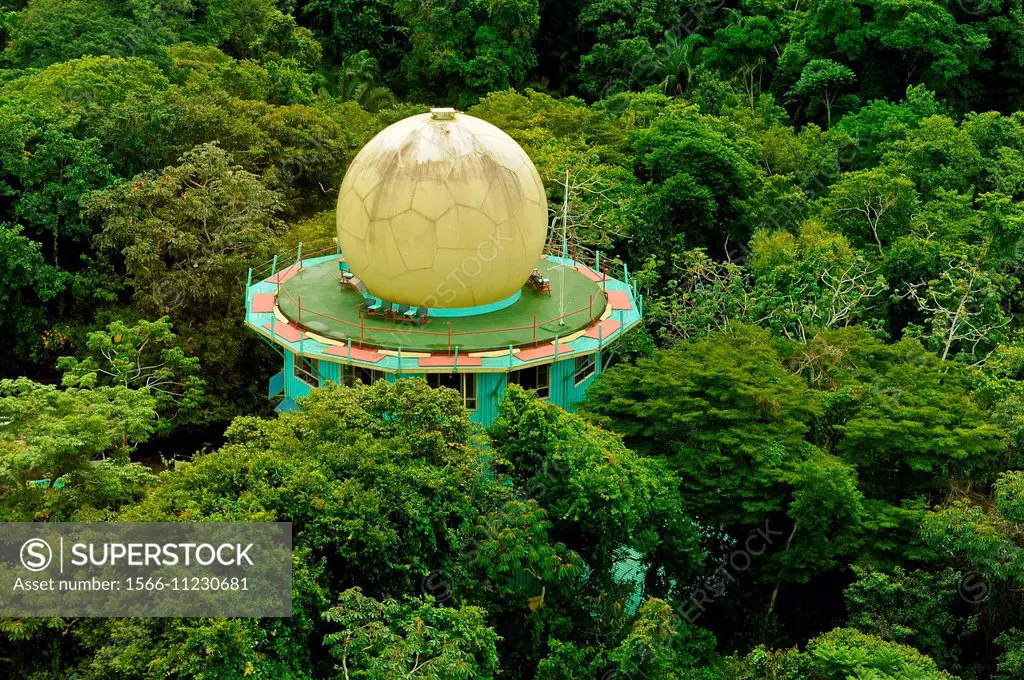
[585, 367]
[307, 370]
[350, 375]
[535, 378]
[463, 383]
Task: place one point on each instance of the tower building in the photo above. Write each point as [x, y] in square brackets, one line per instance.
[439, 271]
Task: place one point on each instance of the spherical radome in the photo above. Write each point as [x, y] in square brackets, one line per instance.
[442, 210]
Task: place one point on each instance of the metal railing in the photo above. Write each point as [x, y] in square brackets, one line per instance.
[296, 258]
[450, 334]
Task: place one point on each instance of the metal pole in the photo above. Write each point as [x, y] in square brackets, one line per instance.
[298, 256]
[248, 285]
[273, 266]
[565, 253]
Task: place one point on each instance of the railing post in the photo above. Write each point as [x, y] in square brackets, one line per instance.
[398, 371]
[298, 256]
[300, 309]
[556, 346]
[510, 355]
[591, 306]
[362, 330]
[273, 266]
[597, 261]
[456, 368]
[350, 349]
[248, 285]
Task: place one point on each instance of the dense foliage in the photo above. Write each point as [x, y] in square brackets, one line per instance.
[807, 465]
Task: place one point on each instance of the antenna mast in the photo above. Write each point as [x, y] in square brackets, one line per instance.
[565, 250]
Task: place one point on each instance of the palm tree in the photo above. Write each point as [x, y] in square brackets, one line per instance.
[675, 61]
[357, 82]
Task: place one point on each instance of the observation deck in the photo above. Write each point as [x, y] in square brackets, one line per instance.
[299, 302]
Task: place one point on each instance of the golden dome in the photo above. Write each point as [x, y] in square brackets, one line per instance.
[442, 210]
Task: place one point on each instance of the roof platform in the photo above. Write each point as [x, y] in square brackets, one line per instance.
[304, 307]
[332, 310]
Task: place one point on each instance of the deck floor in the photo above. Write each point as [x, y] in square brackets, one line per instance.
[332, 310]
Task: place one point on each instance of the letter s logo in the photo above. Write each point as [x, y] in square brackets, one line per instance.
[36, 554]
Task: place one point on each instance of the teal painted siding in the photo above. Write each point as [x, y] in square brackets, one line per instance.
[490, 387]
[330, 372]
[564, 390]
[294, 388]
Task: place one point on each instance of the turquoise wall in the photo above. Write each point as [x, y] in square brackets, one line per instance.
[490, 387]
[564, 391]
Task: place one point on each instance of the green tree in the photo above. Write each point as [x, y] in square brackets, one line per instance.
[811, 281]
[697, 174]
[602, 497]
[822, 80]
[124, 103]
[27, 284]
[55, 173]
[919, 437]
[379, 482]
[725, 413]
[144, 356]
[916, 608]
[64, 452]
[351, 26]
[675, 60]
[469, 47]
[658, 643]
[841, 654]
[746, 48]
[51, 31]
[410, 639]
[188, 233]
[871, 206]
[357, 81]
